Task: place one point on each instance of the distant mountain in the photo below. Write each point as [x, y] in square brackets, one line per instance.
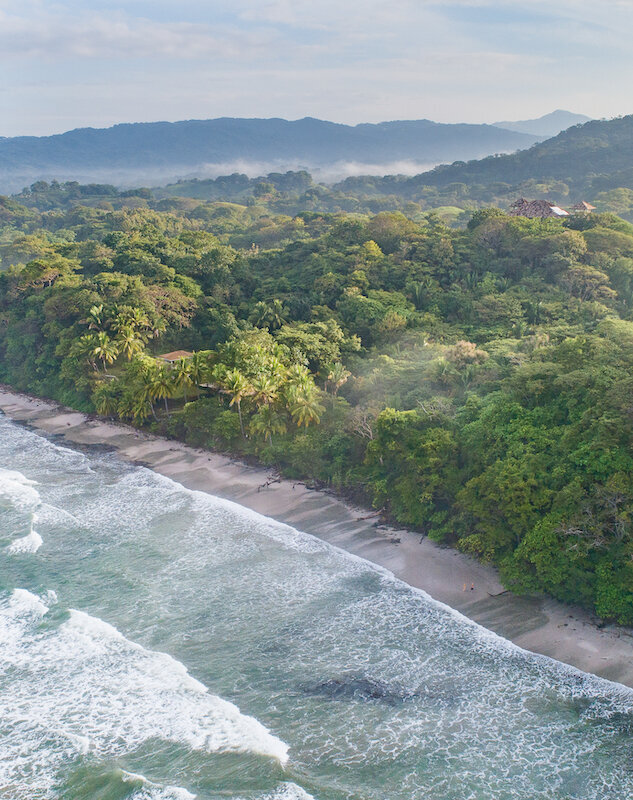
[153, 152]
[546, 126]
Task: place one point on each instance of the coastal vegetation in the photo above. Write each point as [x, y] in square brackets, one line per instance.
[473, 382]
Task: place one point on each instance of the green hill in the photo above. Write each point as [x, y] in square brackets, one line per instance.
[598, 154]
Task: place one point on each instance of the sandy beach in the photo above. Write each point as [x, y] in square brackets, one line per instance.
[541, 625]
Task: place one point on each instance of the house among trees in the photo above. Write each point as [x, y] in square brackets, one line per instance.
[544, 209]
[535, 209]
[583, 208]
[171, 358]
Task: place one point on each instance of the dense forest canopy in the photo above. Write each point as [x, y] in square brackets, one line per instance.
[475, 382]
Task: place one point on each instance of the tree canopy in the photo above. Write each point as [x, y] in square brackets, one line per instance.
[473, 382]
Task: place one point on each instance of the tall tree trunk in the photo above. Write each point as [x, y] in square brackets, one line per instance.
[239, 412]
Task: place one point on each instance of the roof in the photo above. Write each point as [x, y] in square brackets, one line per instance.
[536, 209]
[176, 355]
[583, 206]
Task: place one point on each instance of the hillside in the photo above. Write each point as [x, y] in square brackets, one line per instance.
[592, 162]
[158, 151]
[546, 126]
[578, 156]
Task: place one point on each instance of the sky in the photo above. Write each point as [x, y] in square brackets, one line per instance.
[80, 63]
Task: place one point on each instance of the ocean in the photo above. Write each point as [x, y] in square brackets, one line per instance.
[160, 643]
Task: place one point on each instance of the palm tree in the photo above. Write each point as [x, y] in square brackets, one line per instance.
[125, 407]
[442, 370]
[84, 347]
[132, 343]
[182, 375]
[259, 315]
[298, 375]
[420, 292]
[161, 386]
[95, 318]
[265, 390]
[198, 369]
[337, 377]
[105, 399]
[141, 408]
[267, 422]
[144, 393]
[105, 349]
[305, 408]
[277, 315]
[239, 386]
[157, 327]
[133, 316]
[268, 315]
[276, 368]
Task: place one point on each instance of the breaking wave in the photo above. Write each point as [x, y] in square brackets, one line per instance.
[17, 490]
[79, 687]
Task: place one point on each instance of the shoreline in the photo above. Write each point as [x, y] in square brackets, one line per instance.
[538, 624]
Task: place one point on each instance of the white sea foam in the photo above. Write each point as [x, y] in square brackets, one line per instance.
[288, 791]
[24, 604]
[30, 543]
[155, 791]
[83, 687]
[284, 791]
[51, 597]
[17, 490]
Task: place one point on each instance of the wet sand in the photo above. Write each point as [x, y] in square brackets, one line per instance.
[538, 624]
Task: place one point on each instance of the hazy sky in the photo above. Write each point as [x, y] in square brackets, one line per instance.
[74, 63]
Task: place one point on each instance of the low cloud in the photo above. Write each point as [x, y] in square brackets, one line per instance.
[156, 176]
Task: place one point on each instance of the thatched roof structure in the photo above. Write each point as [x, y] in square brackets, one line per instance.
[171, 358]
[583, 206]
[535, 209]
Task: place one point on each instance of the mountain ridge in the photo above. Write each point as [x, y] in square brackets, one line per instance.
[159, 149]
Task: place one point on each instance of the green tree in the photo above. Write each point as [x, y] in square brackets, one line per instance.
[267, 422]
[337, 377]
[182, 376]
[239, 387]
[161, 385]
[105, 349]
[305, 408]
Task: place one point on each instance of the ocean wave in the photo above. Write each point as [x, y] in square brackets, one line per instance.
[80, 687]
[148, 790]
[288, 791]
[30, 543]
[17, 490]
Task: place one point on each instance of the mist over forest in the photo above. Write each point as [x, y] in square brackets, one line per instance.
[159, 152]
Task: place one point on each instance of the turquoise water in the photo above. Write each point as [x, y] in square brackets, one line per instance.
[161, 643]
